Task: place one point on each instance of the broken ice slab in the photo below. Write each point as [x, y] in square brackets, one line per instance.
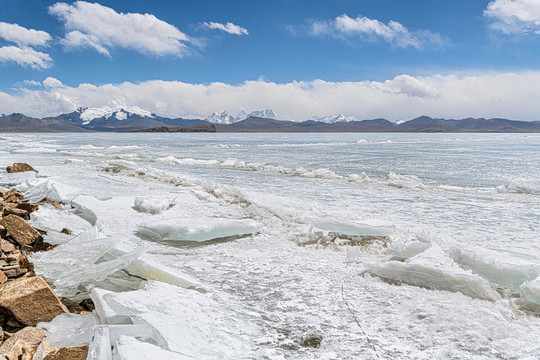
[152, 205]
[67, 284]
[105, 313]
[186, 321]
[502, 267]
[530, 291]
[434, 269]
[368, 227]
[70, 330]
[37, 190]
[404, 246]
[50, 219]
[100, 347]
[197, 229]
[80, 252]
[129, 348]
[152, 270]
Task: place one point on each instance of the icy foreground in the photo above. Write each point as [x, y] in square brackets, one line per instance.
[180, 267]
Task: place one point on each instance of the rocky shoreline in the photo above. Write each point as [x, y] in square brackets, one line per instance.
[25, 298]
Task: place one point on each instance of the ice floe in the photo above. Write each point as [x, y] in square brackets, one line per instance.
[530, 291]
[434, 269]
[367, 227]
[197, 230]
[152, 205]
[129, 348]
[501, 267]
[41, 189]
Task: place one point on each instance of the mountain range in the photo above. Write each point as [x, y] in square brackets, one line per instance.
[122, 118]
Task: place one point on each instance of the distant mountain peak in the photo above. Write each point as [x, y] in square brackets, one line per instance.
[331, 119]
[115, 111]
[225, 118]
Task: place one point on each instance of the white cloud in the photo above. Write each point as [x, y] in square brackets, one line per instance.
[509, 95]
[25, 57]
[367, 29]
[22, 36]
[103, 29]
[31, 83]
[52, 83]
[514, 16]
[229, 27]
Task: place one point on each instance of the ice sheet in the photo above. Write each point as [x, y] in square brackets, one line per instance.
[185, 321]
[49, 218]
[129, 348]
[434, 269]
[197, 229]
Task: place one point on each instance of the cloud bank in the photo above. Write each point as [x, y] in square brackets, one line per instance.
[229, 27]
[514, 16]
[91, 25]
[372, 30]
[510, 95]
[22, 53]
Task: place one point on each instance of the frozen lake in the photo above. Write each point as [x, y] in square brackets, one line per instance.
[297, 246]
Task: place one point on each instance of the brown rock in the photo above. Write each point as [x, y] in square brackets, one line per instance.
[30, 300]
[72, 306]
[75, 353]
[30, 207]
[15, 273]
[26, 264]
[19, 167]
[65, 231]
[1, 335]
[28, 352]
[20, 230]
[16, 211]
[26, 339]
[3, 231]
[88, 304]
[6, 246]
[3, 277]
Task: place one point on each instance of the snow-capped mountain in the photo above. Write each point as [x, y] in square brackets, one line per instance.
[117, 112]
[225, 118]
[221, 118]
[331, 119]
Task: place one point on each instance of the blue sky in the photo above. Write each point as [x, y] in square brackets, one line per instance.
[246, 55]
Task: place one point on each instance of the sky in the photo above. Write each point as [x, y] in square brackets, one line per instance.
[301, 58]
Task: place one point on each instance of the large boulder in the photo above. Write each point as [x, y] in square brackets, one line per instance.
[19, 167]
[20, 230]
[30, 300]
[44, 352]
[22, 344]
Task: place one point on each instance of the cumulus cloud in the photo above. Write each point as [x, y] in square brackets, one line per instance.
[25, 56]
[22, 36]
[510, 95]
[52, 83]
[514, 16]
[229, 27]
[101, 28]
[367, 29]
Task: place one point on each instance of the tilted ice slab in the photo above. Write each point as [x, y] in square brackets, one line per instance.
[403, 246]
[368, 227]
[503, 268]
[103, 310]
[76, 263]
[530, 291]
[49, 218]
[41, 189]
[197, 229]
[186, 321]
[129, 348]
[151, 270]
[434, 269]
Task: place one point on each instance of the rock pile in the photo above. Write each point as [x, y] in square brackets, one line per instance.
[27, 299]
